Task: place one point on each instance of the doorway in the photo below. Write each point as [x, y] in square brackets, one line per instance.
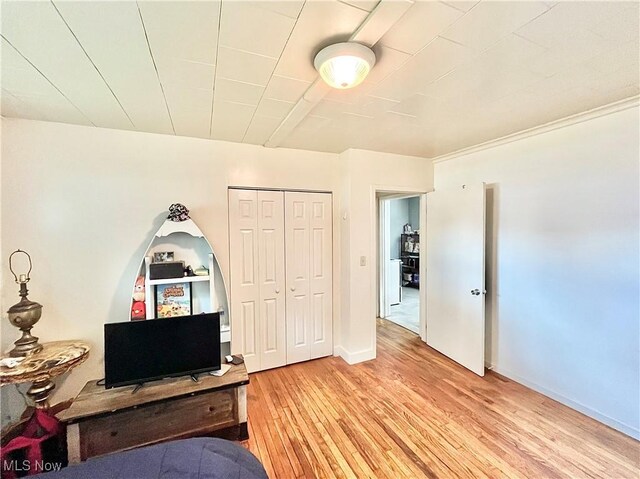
[400, 279]
[451, 265]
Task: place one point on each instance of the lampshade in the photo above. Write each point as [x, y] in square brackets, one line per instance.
[344, 65]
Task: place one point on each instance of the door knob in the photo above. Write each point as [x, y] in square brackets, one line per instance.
[277, 291]
[475, 292]
[293, 288]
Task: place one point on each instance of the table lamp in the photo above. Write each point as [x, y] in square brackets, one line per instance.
[24, 314]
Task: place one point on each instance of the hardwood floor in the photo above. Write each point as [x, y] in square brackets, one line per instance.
[414, 413]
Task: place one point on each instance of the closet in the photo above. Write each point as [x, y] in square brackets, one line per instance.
[281, 276]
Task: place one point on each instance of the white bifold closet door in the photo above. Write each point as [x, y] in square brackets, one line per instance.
[281, 303]
[308, 239]
[256, 225]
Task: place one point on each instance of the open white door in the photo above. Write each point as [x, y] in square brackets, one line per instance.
[386, 285]
[455, 248]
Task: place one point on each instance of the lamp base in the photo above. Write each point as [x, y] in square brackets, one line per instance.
[39, 392]
[25, 346]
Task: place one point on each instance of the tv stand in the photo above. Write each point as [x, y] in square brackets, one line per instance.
[101, 421]
[194, 378]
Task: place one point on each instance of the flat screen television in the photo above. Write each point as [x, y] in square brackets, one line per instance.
[140, 351]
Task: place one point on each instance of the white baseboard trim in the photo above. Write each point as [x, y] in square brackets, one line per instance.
[354, 358]
[592, 413]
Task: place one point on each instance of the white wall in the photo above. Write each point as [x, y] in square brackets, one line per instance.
[84, 202]
[398, 217]
[563, 280]
[365, 173]
[414, 212]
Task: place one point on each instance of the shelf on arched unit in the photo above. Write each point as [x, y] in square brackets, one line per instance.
[207, 291]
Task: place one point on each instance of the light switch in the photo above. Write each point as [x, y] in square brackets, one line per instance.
[363, 260]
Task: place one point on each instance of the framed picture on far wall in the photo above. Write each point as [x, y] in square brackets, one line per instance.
[173, 300]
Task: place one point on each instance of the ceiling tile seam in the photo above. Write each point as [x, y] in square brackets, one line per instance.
[19, 98]
[215, 73]
[281, 101]
[548, 9]
[196, 62]
[92, 63]
[378, 97]
[519, 35]
[292, 78]
[25, 104]
[475, 54]
[275, 67]
[259, 5]
[270, 117]
[452, 5]
[450, 40]
[246, 51]
[399, 113]
[155, 67]
[5, 92]
[411, 57]
[510, 33]
[319, 116]
[441, 34]
[240, 103]
[47, 79]
[356, 7]
[358, 115]
[243, 82]
[449, 27]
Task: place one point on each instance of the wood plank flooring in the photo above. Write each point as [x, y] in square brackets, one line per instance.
[413, 413]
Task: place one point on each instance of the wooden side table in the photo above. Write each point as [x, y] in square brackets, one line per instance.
[55, 359]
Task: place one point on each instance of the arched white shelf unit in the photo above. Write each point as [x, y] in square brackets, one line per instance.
[209, 293]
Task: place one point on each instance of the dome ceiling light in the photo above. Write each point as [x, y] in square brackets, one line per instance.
[344, 65]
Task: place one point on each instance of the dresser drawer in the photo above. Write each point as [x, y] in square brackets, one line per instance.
[200, 414]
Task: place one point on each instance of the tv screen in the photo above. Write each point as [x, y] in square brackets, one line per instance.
[141, 351]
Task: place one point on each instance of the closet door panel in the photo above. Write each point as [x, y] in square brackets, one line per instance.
[321, 275]
[271, 274]
[298, 268]
[245, 291]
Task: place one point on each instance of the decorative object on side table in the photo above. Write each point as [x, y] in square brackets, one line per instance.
[24, 314]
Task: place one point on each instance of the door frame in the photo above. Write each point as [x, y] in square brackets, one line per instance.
[379, 193]
[384, 243]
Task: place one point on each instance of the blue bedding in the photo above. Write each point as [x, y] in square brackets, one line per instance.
[197, 458]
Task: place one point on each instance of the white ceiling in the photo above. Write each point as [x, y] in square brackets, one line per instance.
[449, 74]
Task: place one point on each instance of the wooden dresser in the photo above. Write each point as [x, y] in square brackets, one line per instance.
[102, 420]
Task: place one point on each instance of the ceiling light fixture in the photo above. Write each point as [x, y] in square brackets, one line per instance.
[344, 65]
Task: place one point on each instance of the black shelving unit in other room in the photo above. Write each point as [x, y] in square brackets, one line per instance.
[409, 254]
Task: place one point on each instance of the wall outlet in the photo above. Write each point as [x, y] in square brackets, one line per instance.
[363, 260]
